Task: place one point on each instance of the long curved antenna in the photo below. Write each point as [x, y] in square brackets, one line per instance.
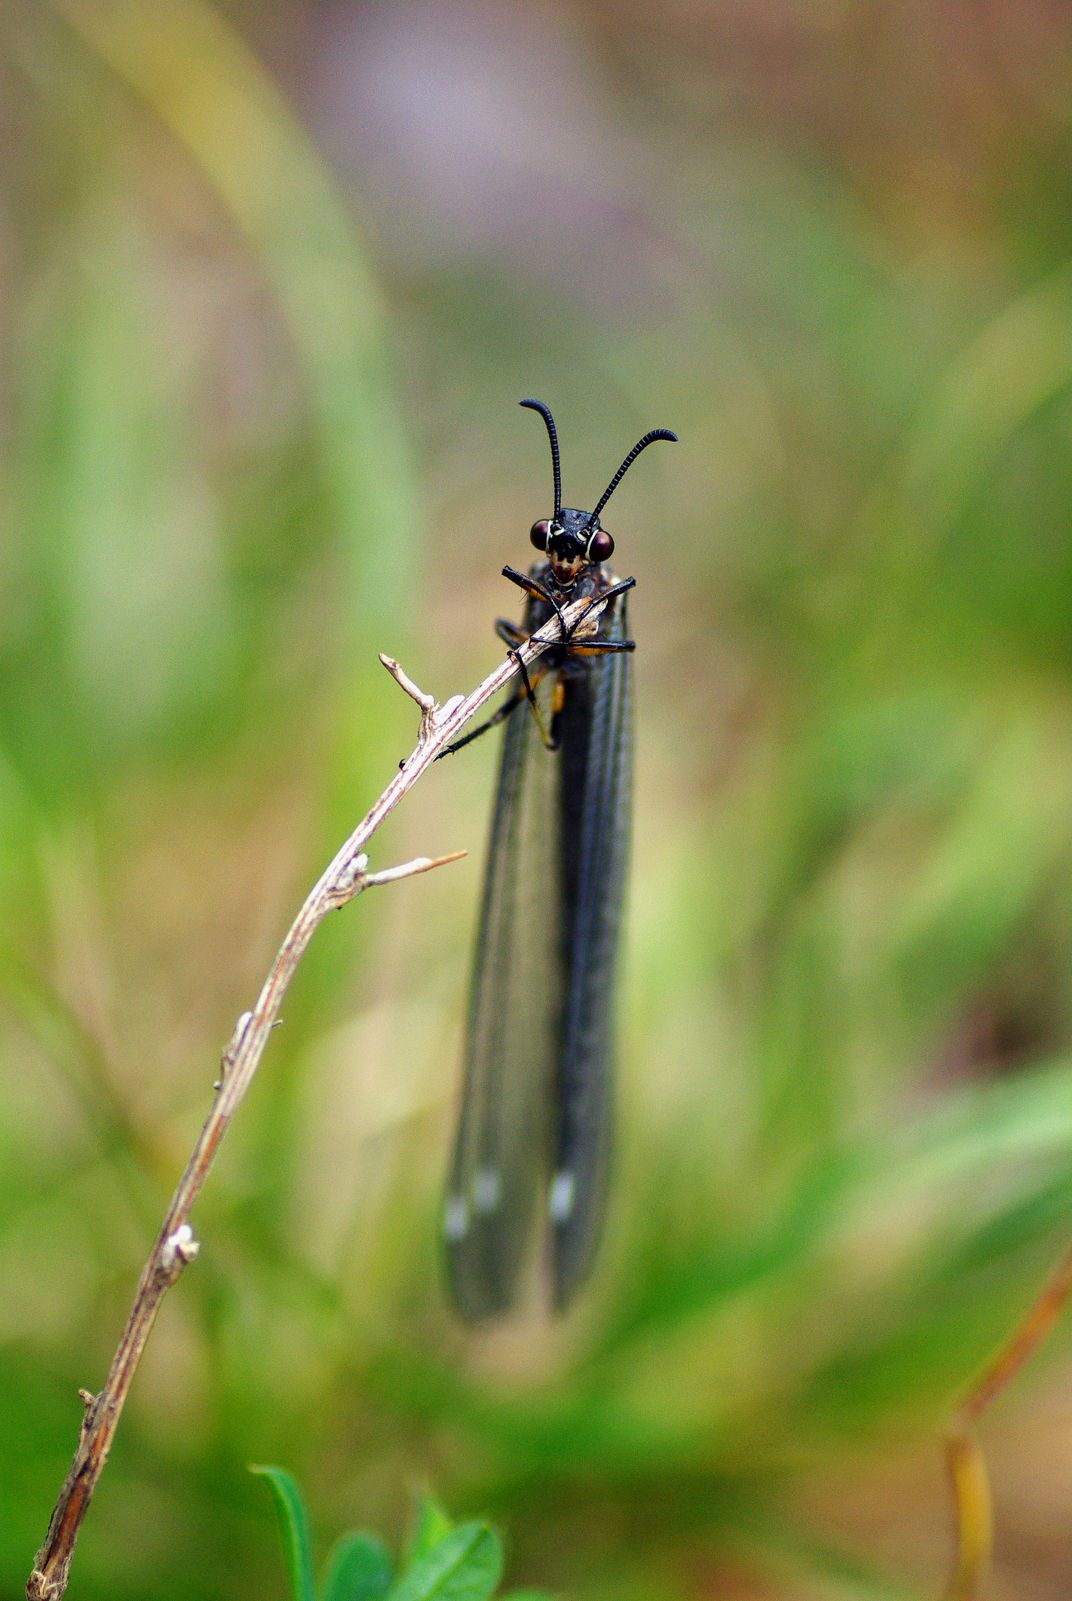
[545, 413]
[641, 444]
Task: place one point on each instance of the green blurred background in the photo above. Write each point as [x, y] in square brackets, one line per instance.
[272, 279]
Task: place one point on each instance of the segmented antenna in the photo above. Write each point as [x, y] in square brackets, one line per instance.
[641, 444]
[545, 413]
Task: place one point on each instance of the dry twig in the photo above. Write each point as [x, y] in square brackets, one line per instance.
[968, 1478]
[344, 878]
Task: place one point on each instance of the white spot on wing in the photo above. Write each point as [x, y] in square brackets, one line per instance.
[487, 1190]
[560, 1201]
[456, 1218]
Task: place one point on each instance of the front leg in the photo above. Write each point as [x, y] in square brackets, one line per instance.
[532, 586]
[588, 646]
[493, 721]
[595, 643]
[513, 638]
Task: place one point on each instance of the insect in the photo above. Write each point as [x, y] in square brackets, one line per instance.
[535, 1126]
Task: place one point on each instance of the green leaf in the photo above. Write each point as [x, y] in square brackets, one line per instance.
[431, 1526]
[358, 1569]
[294, 1526]
[466, 1565]
[530, 1595]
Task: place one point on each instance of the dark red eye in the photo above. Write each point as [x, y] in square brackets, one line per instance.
[600, 546]
[538, 533]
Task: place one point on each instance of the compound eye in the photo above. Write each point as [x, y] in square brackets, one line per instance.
[600, 546]
[538, 533]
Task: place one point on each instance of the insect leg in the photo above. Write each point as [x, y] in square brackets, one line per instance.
[532, 586]
[618, 589]
[608, 594]
[522, 692]
[513, 638]
[601, 644]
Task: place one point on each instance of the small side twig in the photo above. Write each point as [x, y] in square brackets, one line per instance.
[344, 878]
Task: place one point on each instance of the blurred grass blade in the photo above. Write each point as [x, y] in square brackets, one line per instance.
[973, 1516]
[204, 83]
[124, 566]
[294, 1526]
[1018, 362]
[1006, 374]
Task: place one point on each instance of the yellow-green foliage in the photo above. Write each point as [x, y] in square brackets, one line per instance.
[263, 347]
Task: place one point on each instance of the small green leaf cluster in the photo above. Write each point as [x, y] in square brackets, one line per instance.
[444, 1561]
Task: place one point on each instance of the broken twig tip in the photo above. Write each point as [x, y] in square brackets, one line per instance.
[419, 864]
[404, 681]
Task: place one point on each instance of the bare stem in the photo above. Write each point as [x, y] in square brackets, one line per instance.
[345, 877]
